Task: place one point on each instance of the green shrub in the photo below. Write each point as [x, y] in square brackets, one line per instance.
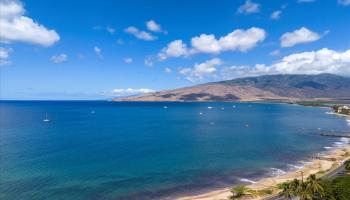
[337, 189]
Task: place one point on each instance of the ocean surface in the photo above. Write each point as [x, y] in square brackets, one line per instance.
[116, 150]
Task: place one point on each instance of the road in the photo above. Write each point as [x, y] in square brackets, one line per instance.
[340, 170]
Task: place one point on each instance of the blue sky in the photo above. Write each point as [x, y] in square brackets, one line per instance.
[100, 49]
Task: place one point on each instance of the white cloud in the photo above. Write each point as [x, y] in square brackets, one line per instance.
[174, 49]
[5, 55]
[206, 44]
[15, 27]
[148, 61]
[344, 2]
[142, 35]
[98, 52]
[312, 62]
[275, 52]
[300, 36]
[128, 60]
[167, 70]
[238, 40]
[129, 91]
[120, 41]
[306, 1]
[110, 29]
[59, 58]
[201, 70]
[153, 26]
[249, 7]
[241, 40]
[276, 14]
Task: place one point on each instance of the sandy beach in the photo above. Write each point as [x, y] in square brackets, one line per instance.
[314, 166]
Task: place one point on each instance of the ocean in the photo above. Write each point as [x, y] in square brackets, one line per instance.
[133, 150]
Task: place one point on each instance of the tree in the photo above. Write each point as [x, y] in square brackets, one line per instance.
[240, 190]
[287, 190]
[314, 186]
[303, 191]
[347, 165]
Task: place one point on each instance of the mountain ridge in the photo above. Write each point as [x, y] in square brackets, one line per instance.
[280, 87]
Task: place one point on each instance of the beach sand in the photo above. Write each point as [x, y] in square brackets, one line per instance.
[314, 166]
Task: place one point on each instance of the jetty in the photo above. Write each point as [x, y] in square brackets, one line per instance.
[330, 134]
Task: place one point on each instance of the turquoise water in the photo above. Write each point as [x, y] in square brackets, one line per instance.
[113, 150]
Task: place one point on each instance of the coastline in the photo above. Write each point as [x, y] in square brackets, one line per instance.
[314, 166]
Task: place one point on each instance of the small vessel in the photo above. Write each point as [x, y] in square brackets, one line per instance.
[165, 107]
[46, 118]
[233, 106]
[209, 107]
[201, 113]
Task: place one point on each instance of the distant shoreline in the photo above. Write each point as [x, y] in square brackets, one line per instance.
[313, 166]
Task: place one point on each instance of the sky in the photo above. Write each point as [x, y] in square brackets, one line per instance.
[102, 49]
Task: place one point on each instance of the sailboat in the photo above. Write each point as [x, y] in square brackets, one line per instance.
[46, 118]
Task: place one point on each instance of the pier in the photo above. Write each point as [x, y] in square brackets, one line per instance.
[329, 134]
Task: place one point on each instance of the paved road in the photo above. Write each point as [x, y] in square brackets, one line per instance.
[340, 170]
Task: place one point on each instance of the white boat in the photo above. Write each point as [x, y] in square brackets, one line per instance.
[165, 107]
[46, 118]
[209, 107]
[201, 113]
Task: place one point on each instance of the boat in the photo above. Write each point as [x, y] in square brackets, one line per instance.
[165, 107]
[209, 107]
[46, 119]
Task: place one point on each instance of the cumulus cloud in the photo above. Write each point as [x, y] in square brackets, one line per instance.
[276, 14]
[176, 48]
[148, 61]
[201, 70]
[167, 70]
[128, 60]
[238, 40]
[60, 58]
[5, 56]
[153, 26]
[344, 2]
[249, 7]
[15, 27]
[129, 92]
[142, 35]
[300, 36]
[110, 29]
[98, 52]
[275, 52]
[241, 40]
[311, 62]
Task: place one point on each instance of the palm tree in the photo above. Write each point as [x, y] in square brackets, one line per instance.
[303, 191]
[294, 186]
[314, 186]
[240, 190]
[347, 165]
[287, 190]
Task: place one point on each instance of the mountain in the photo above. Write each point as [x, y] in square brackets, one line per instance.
[268, 87]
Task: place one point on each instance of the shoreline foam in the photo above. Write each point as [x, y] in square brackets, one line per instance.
[340, 151]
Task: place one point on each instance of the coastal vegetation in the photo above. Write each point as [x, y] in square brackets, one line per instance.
[305, 190]
[313, 188]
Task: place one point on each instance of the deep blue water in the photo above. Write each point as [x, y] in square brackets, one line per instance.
[127, 150]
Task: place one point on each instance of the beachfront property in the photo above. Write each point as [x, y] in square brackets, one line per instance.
[342, 109]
